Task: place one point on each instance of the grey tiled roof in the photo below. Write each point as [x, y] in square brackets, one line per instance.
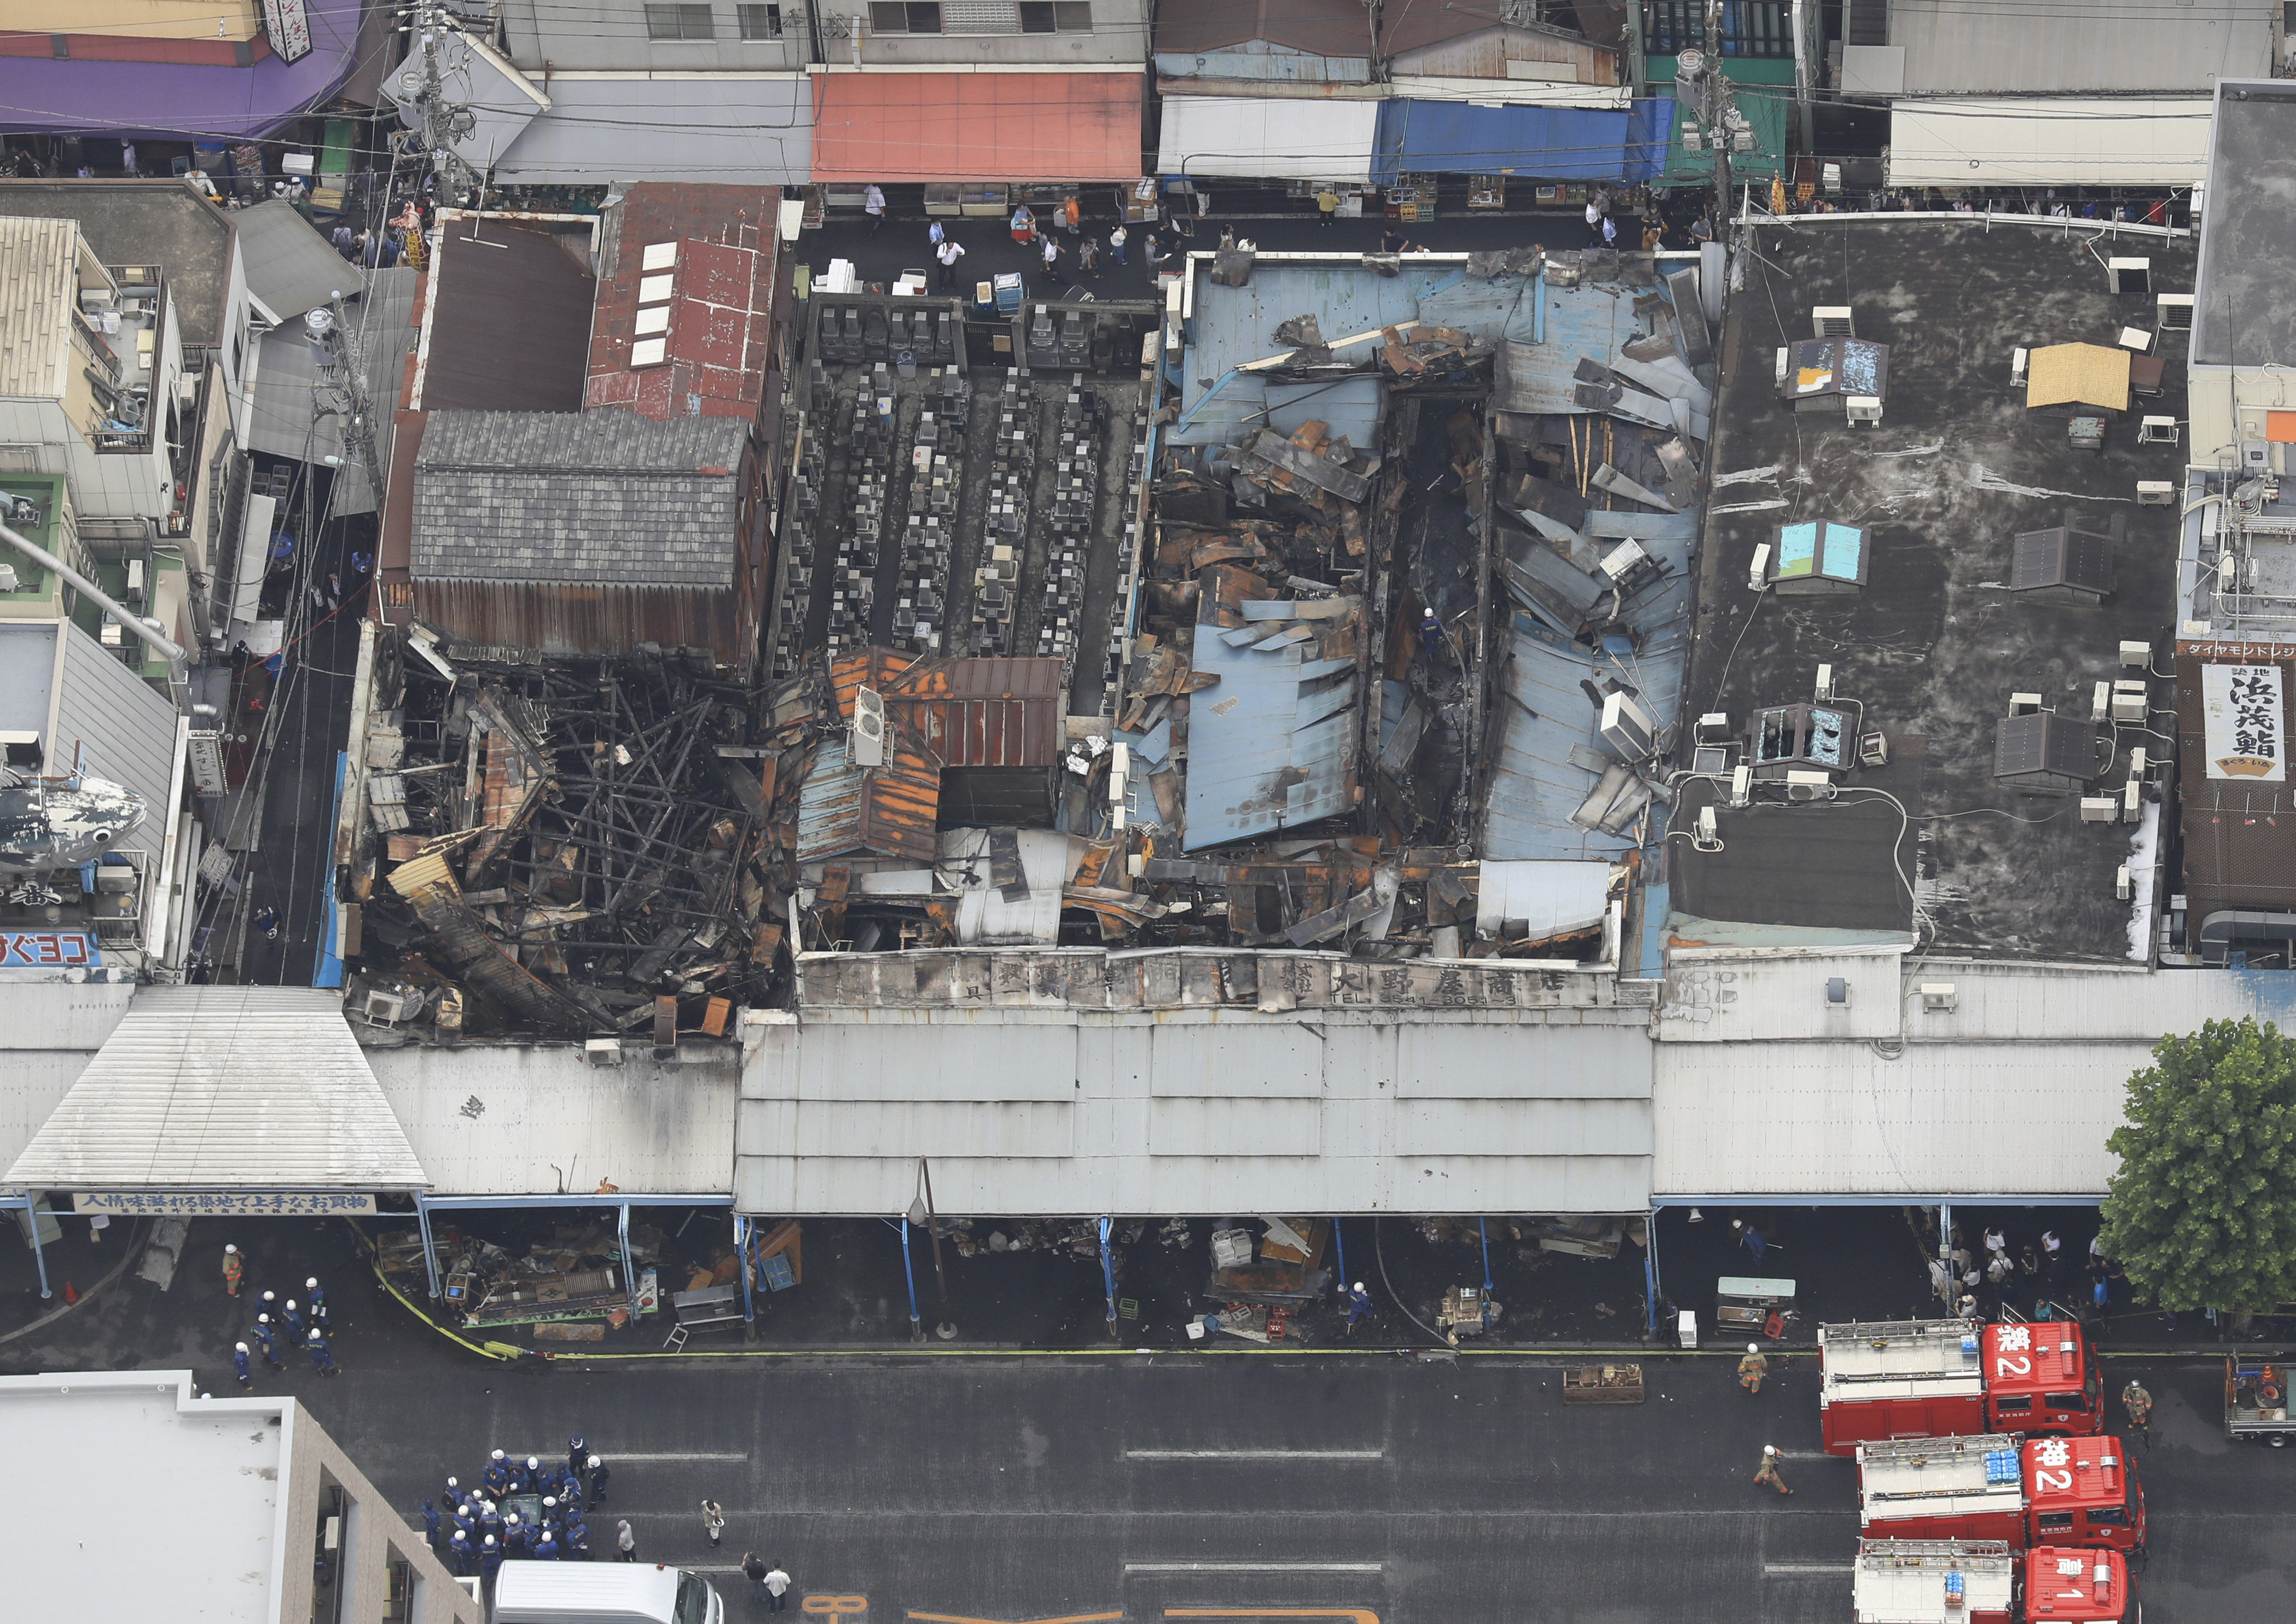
[604, 496]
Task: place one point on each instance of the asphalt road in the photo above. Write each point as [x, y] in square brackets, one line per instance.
[995, 1488]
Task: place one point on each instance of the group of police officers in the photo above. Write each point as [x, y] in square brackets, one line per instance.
[475, 1534]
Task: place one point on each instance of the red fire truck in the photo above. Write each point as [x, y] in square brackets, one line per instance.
[2034, 1491]
[1954, 1378]
[1982, 1581]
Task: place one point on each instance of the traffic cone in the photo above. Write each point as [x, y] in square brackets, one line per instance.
[71, 1296]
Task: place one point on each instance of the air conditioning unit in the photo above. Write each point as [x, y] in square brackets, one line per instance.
[1862, 408]
[2124, 884]
[1783, 364]
[1742, 784]
[1626, 727]
[1823, 691]
[2025, 704]
[1622, 560]
[384, 1008]
[2155, 493]
[2017, 361]
[1758, 573]
[2100, 702]
[868, 727]
[1802, 784]
[1939, 997]
[1708, 828]
[2176, 311]
[2136, 761]
[602, 1051]
[2098, 809]
[2132, 800]
[2130, 275]
[2135, 656]
[2131, 701]
[1831, 321]
[1872, 748]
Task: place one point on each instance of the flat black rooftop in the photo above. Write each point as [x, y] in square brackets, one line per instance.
[2244, 314]
[1934, 643]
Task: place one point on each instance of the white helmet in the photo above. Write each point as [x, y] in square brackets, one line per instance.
[241, 1346]
[1770, 1448]
[490, 1540]
[1753, 1348]
[499, 1455]
[230, 1249]
[312, 1284]
[532, 1463]
[314, 1336]
[594, 1463]
[1358, 1285]
[263, 1319]
[291, 1305]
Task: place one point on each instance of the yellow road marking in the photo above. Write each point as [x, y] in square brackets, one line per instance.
[1074, 1618]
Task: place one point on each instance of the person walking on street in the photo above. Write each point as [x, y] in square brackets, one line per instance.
[713, 1522]
[1024, 224]
[578, 1450]
[1327, 205]
[753, 1568]
[1359, 1307]
[1594, 224]
[1089, 257]
[625, 1543]
[318, 1296]
[261, 1331]
[935, 234]
[490, 1520]
[322, 1360]
[1750, 1238]
[1072, 216]
[872, 204]
[496, 1477]
[1051, 252]
[1769, 1469]
[233, 1270]
[1116, 243]
[597, 1481]
[430, 1524]
[514, 1534]
[1752, 1368]
[948, 253]
[293, 1318]
[546, 1549]
[458, 1555]
[2139, 1406]
[240, 1367]
[1610, 231]
[778, 1584]
[490, 1560]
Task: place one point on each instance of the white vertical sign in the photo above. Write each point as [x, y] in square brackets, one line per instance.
[2247, 736]
[288, 25]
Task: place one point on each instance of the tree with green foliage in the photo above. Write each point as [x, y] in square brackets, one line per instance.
[2202, 1212]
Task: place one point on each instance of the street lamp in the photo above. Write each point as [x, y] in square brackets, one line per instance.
[920, 1214]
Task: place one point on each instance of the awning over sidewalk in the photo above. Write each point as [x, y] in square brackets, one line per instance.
[736, 129]
[528, 1120]
[223, 1089]
[1194, 1112]
[2003, 141]
[1269, 137]
[1533, 143]
[979, 126]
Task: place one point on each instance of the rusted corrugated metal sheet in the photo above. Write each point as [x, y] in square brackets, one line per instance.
[584, 618]
[870, 668]
[984, 712]
[1485, 55]
[888, 811]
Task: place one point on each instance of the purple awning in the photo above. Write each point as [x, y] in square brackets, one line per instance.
[160, 100]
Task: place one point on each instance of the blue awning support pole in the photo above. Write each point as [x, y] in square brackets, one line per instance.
[1108, 1274]
[1339, 1246]
[916, 1325]
[29, 1205]
[745, 1236]
[1483, 1228]
[429, 1243]
[1945, 1254]
[629, 1264]
[1650, 1268]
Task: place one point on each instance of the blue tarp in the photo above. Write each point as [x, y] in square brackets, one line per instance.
[1534, 143]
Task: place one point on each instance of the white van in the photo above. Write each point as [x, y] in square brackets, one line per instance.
[604, 1593]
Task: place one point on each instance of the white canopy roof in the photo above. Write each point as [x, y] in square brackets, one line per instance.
[2057, 141]
[223, 1088]
[1277, 137]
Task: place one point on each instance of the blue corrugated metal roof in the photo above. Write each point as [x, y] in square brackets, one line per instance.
[1536, 786]
[1272, 744]
[1585, 323]
[1542, 142]
[1233, 325]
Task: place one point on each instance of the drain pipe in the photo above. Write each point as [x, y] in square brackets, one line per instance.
[178, 662]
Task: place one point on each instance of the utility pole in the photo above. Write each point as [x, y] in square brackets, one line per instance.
[1699, 85]
[444, 123]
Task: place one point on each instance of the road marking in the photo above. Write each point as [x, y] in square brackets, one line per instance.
[618, 1457]
[1254, 1567]
[1806, 1567]
[1074, 1618]
[1355, 1615]
[1255, 1454]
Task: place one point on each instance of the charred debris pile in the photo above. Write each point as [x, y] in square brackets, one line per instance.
[573, 847]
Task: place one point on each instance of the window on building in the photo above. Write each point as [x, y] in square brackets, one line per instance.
[760, 21]
[1057, 16]
[681, 22]
[1749, 28]
[904, 17]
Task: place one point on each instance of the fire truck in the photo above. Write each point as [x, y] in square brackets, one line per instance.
[1954, 1378]
[2028, 1492]
[1982, 1581]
